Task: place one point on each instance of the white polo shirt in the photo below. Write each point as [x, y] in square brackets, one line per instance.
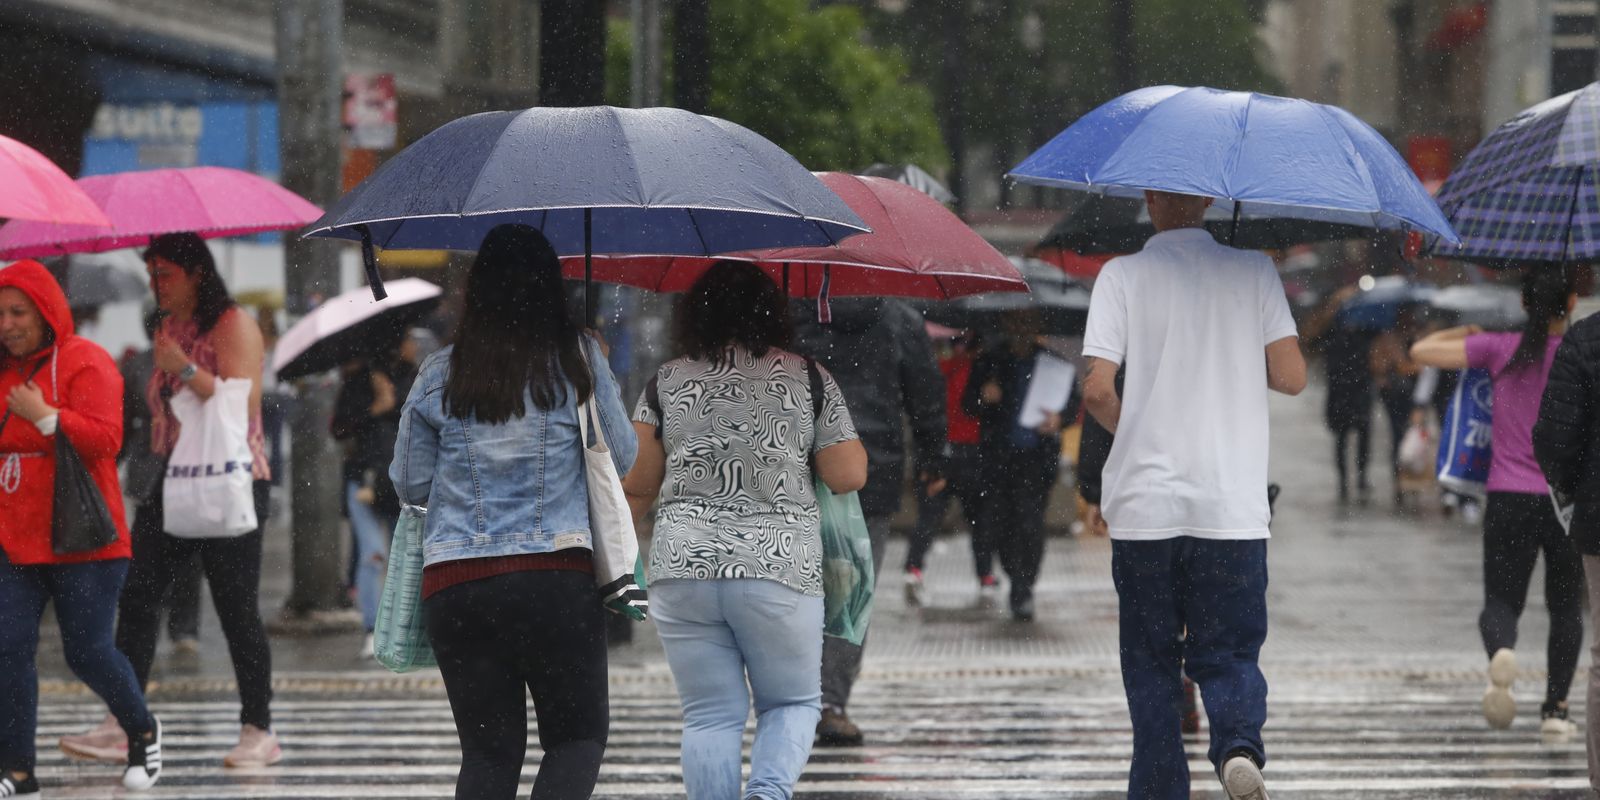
[1191, 319]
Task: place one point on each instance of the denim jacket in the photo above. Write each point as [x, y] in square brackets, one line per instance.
[508, 489]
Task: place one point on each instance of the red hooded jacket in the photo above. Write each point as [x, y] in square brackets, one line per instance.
[79, 378]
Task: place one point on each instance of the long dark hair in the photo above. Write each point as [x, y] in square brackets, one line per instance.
[1544, 296]
[733, 303]
[190, 253]
[515, 334]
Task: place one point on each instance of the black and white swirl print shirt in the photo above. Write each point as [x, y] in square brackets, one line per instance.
[737, 500]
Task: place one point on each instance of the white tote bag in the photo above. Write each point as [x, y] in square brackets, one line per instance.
[208, 492]
[616, 547]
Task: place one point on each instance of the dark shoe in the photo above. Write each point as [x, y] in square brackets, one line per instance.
[1191, 708]
[836, 730]
[1022, 608]
[25, 789]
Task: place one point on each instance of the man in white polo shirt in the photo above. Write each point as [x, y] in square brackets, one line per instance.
[1205, 332]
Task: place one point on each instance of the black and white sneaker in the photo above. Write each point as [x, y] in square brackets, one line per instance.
[25, 789]
[144, 762]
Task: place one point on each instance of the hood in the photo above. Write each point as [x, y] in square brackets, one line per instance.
[33, 280]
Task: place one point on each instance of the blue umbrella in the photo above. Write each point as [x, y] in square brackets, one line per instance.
[1377, 307]
[1270, 156]
[595, 180]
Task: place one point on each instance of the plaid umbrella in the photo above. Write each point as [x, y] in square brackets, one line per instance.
[1527, 191]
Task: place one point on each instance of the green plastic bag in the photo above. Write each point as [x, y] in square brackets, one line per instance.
[399, 640]
[847, 573]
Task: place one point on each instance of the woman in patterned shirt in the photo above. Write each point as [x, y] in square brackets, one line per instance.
[728, 440]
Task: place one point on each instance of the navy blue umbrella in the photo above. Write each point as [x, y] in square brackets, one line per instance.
[662, 181]
[1269, 156]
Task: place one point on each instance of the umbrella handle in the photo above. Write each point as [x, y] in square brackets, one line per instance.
[1233, 230]
[369, 258]
[824, 307]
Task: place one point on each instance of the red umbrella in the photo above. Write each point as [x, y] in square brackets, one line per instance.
[35, 188]
[210, 201]
[917, 248]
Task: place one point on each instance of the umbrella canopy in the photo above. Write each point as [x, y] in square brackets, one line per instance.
[37, 189]
[210, 201]
[1061, 303]
[596, 179]
[1489, 305]
[352, 325]
[1527, 191]
[1377, 307]
[914, 176]
[1101, 224]
[917, 248]
[95, 283]
[1268, 156]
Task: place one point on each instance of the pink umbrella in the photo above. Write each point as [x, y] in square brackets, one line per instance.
[917, 248]
[210, 201]
[36, 189]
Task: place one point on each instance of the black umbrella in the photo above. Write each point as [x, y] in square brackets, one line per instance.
[95, 283]
[1062, 304]
[1101, 224]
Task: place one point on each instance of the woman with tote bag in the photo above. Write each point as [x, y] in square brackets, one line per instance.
[60, 428]
[208, 363]
[728, 440]
[490, 445]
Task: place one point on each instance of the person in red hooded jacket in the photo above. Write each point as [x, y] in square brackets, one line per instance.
[55, 383]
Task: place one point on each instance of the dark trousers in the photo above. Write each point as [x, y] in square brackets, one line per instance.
[1016, 491]
[1197, 607]
[1362, 432]
[183, 602]
[965, 485]
[232, 568]
[500, 638]
[1516, 528]
[841, 660]
[85, 600]
[1397, 408]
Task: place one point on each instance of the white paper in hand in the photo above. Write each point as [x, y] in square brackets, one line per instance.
[1048, 391]
[1564, 505]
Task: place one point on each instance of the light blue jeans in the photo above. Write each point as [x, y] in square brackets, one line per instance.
[372, 531]
[729, 640]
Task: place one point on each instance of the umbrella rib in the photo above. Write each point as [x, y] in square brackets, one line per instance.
[704, 248]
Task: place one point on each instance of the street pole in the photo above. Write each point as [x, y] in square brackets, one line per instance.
[309, 38]
[691, 55]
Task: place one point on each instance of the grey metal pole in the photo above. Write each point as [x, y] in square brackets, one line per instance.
[309, 39]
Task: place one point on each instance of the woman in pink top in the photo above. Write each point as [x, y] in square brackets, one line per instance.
[1519, 521]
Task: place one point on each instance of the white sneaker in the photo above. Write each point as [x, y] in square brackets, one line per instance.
[144, 763]
[1557, 728]
[1242, 780]
[1498, 706]
[916, 590]
[367, 644]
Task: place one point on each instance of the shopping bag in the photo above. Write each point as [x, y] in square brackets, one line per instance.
[79, 519]
[616, 546]
[1417, 456]
[207, 493]
[1466, 442]
[847, 573]
[399, 639]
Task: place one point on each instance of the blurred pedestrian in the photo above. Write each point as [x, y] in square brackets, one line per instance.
[962, 483]
[1566, 440]
[728, 439]
[489, 443]
[878, 351]
[1017, 465]
[1395, 376]
[1347, 408]
[58, 384]
[204, 338]
[1205, 333]
[1519, 521]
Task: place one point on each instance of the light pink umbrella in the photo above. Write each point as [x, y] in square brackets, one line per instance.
[34, 188]
[210, 201]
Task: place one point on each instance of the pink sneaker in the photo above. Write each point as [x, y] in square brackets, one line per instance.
[256, 748]
[105, 742]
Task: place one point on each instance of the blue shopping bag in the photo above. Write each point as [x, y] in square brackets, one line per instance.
[1465, 443]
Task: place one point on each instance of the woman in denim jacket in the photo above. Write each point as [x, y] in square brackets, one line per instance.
[489, 444]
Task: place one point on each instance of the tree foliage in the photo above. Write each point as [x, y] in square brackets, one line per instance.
[811, 81]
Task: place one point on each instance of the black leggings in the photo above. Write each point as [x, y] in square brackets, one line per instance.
[499, 638]
[1516, 527]
[233, 570]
